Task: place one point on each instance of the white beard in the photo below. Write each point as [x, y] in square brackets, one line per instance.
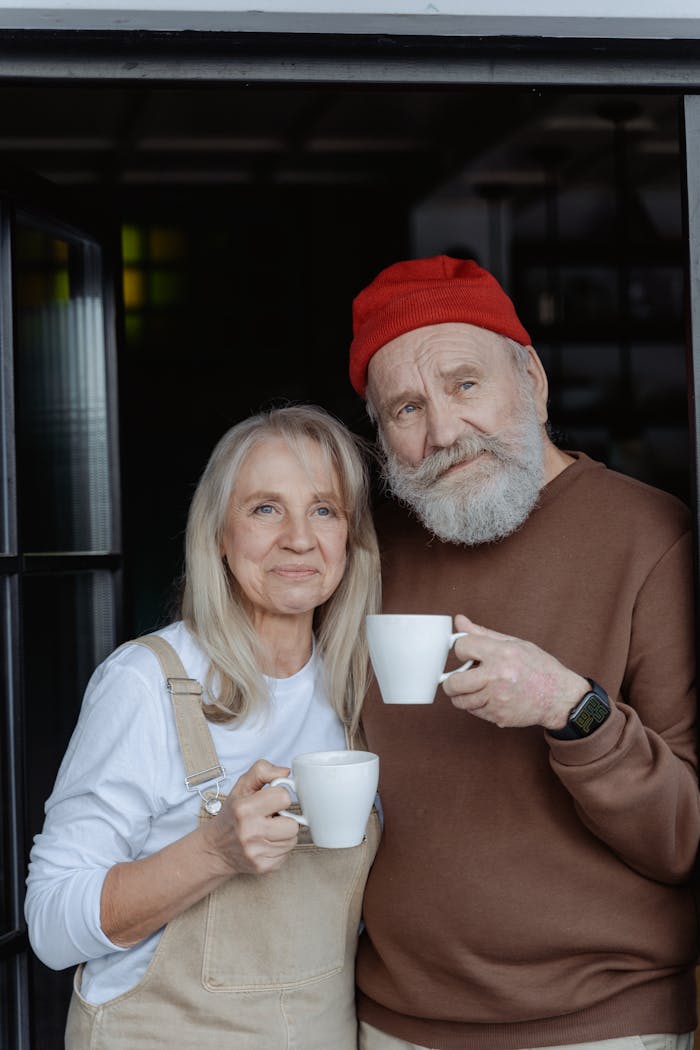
[486, 501]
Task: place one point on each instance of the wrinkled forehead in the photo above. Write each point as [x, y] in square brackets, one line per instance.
[282, 463]
[281, 450]
[432, 350]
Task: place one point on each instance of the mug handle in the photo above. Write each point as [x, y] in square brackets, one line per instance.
[456, 670]
[289, 782]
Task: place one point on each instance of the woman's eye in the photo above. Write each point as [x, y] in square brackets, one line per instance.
[406, 410]
[324, 512]
[466, 385]
[265, 508]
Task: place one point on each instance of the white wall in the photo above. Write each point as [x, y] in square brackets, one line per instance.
[558, 18]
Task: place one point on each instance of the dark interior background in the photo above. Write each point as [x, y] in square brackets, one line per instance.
[249, 216]
[242, 219]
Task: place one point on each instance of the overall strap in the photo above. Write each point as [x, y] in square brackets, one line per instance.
[198, 751]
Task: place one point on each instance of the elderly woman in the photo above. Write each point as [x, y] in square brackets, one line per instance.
[200, 917]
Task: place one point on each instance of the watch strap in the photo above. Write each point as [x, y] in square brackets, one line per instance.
[591, 711]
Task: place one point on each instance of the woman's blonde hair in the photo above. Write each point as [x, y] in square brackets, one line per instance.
[211, 605]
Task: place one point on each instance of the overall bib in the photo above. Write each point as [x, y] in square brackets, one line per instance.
[265, 962]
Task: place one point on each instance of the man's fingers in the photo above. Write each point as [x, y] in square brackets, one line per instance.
[468, 682]
[463, 623]
[477, 647]
[471, 702]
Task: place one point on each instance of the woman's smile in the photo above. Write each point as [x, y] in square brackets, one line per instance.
[286, 532]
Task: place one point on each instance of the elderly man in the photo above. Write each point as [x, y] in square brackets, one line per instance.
[534, 886]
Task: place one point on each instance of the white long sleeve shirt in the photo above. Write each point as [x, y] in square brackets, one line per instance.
[120, 795]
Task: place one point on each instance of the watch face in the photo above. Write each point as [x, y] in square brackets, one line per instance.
[589, 714]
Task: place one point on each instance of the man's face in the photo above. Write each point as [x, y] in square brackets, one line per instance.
[461, 426]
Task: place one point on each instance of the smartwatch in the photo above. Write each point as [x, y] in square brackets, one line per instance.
[590, 712]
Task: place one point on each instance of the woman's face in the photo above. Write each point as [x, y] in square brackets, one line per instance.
[285, 534]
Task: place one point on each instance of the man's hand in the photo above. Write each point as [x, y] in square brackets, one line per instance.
[512, 682]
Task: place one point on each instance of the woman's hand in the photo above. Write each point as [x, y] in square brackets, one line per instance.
[247, 836]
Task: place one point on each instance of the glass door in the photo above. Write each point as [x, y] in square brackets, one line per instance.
[60, 553]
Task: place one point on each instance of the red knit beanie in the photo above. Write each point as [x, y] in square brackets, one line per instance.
[421, 292]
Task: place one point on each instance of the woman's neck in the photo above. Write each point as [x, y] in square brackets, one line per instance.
[287, 644]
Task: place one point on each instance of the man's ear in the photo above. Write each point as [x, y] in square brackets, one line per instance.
[540, 386]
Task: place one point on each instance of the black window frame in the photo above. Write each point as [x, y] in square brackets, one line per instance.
[25, 197]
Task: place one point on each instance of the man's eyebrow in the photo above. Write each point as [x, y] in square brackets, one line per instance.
[403, 398]
[462, 370]
[410, 396]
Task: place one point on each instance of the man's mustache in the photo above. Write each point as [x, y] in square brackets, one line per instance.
[466, 447]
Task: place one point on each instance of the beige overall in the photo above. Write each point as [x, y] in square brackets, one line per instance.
[265, 962]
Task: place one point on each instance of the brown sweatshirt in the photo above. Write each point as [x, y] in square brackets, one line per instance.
[529, 891]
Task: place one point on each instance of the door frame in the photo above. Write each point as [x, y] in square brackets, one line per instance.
[541, 63]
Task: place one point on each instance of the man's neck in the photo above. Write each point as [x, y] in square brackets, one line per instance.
[554, 461]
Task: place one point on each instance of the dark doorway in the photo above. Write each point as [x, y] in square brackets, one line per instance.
[251, 214]
[245, 218]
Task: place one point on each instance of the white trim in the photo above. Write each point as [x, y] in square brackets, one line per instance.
[614, 19]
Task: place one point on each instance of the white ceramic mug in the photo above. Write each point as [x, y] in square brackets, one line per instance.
[408, 653]
[336, 790]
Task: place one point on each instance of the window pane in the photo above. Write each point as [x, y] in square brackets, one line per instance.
[68, 628]
[9, 727]
[5, 992]
[12, 1002]
[62, 419]
[7, 424]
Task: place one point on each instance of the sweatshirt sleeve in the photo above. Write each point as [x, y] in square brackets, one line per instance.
[634, 781]
[99, 813]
